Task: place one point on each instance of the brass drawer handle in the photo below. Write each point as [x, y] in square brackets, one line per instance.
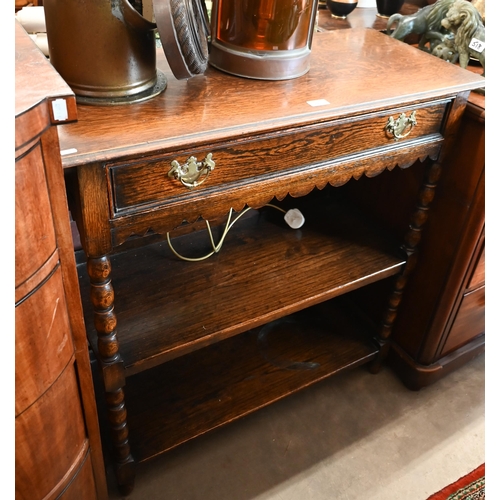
[193, 172]
[404, 123]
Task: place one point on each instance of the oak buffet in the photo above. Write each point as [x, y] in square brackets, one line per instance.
[184, 347]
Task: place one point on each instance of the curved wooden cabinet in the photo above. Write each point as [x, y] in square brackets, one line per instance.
[58, 449]
[441, 324]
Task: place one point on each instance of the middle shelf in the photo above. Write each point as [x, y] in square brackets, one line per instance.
[265, 270]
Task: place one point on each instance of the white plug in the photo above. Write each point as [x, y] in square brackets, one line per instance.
[294, 218]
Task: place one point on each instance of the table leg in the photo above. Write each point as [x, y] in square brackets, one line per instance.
[412, 239]
[102, 297]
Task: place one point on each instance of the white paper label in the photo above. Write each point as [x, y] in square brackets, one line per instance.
[477, 45]
[70, 151]
[60, 109]
[318, 102]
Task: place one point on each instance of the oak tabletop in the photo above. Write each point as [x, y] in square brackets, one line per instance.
[352, 72]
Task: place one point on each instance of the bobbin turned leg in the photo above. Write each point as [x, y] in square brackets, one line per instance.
[102, 297]
[412, 239]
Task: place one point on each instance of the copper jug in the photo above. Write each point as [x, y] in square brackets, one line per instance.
[104, 49]
[263, 39]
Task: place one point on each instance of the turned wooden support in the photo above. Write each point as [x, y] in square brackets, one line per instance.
[102, 297]
[124, 463]
[412, 239]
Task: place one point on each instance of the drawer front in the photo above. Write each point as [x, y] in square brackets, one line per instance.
[49, 438]
[135, 186]
[35, 236]
[43, 342]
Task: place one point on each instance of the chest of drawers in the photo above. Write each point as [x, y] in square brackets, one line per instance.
[58, 450]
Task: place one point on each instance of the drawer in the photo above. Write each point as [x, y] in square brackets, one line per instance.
[43, 342]
[49, 438]
[35, 236]
[135, 186]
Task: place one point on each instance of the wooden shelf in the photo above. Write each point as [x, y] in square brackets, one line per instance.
[265, 270]
[194, 394]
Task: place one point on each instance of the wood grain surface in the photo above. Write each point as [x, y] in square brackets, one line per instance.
[355, 71]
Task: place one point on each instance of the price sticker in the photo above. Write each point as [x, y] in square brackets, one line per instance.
[59, 109]
[477, 45]
[318, 102]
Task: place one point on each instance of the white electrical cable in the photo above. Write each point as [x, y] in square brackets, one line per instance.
[293, 218]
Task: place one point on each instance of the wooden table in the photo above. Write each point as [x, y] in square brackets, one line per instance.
[199, 344]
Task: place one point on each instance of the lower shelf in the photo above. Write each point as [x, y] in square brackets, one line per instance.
[191, 395]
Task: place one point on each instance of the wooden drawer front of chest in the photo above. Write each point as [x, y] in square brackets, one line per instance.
[35, 237]
[50, 438]
[137, 185]
[43, 343]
